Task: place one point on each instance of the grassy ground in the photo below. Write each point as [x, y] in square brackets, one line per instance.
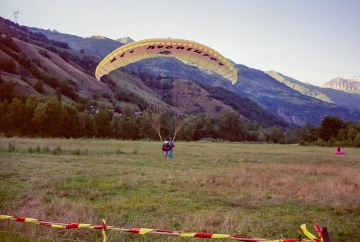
[262, 190]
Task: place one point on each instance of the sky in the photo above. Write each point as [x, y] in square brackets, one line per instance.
[311, 41]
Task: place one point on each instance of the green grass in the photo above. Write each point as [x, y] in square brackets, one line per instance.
[262, 190]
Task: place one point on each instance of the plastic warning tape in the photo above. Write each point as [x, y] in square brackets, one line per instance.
[142, 231]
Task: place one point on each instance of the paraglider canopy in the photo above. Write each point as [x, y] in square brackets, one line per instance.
[188, 51]
[194, 52]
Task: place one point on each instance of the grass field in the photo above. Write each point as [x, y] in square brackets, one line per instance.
[262, 190]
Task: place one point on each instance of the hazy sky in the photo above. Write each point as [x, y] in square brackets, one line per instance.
[310, 40]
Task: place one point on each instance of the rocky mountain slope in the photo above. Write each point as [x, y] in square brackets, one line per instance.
[125, 40]
[351, 85]
[326, 94]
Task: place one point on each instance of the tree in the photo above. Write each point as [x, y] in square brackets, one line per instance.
[145, 129]
[48, 118]
[265, 135]
[199, 127]
[262, 137]
[87, 125]
[7, 91]
[30, 105]
[4, 106]
[188, 131]
[126, 127]
[330, 127]
[351, 133]
[309, 133]
[357, 140]
[205, 127]
[102, 121]
[277, 135]
[16, 117]
[71, 124]
[231, 127]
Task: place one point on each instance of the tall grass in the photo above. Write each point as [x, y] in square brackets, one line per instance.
[263, 190]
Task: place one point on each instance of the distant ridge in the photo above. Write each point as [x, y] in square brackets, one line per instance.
[96, 45]
[125, 40]
[326, 94]
[346, 85]
[98, 37]
[304, 88]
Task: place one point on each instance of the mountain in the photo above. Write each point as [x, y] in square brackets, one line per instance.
[330, 95]
[36, 65]
[285, 102]
[351, 85]
[96, 45]
[125, 40]
[256, 96]
[273, 96]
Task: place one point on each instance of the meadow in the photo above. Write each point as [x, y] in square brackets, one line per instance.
[261, 190]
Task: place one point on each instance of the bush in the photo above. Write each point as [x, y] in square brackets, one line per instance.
[39, 87]
[57, 151]
[79, 152]
[119, 152]
[11, 148]
[8, 65]
[357, 140]
[304, 143]
[321, 142]
[46, 150]
[44, 53]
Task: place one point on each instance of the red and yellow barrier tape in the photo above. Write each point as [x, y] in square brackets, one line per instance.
[143, 231]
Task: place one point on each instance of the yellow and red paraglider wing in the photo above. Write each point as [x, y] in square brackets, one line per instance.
[196, 53]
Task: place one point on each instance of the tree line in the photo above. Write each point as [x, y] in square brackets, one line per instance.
[35, 117]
